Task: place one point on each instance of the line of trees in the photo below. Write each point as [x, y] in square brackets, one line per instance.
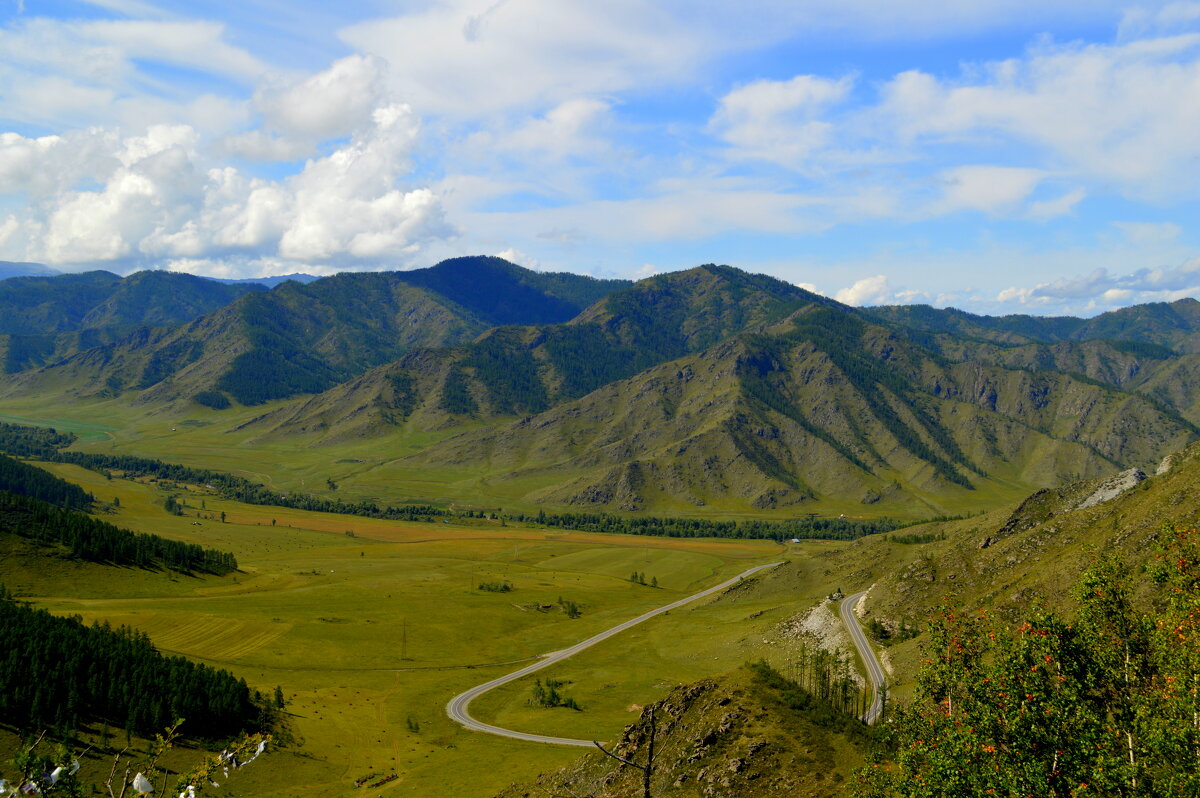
[783, 529]
[47, 445]
[22, 441]
[825, 677]
[91, 539]
[37, 483]
[57, 672]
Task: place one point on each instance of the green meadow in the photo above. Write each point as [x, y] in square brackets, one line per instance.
[372, 626]
[375, 468]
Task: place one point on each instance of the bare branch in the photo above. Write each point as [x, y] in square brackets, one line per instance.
[648, 768]
[620, 759]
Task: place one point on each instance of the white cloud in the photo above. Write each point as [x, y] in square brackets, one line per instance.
[329, 104]
[1141, 21]
[779, 120]
[867, 291]
[878, 290]
[297, 115]
[520, 258]
[55, 73]
[156, 188]
[472, 58]
[1044, 210]
[47, 165]
[194, 44]
[347, 202]
[8, 232]
[1123, 113]
[156, 201]
[568, 129]
[993, 189]
[1100, 288]
[258, 145]
[1149, 232]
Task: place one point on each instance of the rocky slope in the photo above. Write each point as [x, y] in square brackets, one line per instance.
[736, 735]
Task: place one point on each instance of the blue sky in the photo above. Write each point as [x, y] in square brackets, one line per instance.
[997, 155]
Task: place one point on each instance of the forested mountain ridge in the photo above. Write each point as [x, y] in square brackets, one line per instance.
[1175, 325]
[9, 268]
[518, 370]
[823, 405]
[704, 387]
[306, 338]
[47, 318]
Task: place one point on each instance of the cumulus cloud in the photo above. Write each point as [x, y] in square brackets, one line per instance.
[876, 290]
[520, 258]
[1057, 123]
[299, 114]
[43, 166]
[154, 189]
[329, 104]
[158, 201]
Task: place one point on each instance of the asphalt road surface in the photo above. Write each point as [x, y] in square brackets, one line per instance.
[457, 708]
[874, 670]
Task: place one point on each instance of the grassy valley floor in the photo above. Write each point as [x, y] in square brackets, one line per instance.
[371, 626]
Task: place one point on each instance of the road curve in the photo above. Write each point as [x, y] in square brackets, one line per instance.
[874, 669]
[457, 707]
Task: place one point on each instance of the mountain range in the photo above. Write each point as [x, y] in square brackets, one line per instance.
[709, 387]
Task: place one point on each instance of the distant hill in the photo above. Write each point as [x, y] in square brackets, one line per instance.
[305, 338]
[269, 282]
[504, 293]
[714, 388]
[516, 370]
[708, 387]
[10, 268]
[821, 406]
[1175, 325]
[47, 318]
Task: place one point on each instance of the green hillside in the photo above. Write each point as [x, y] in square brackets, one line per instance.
[519, 370]
[1174, 325]
[296, 338]
[935, 596]
[47, 318]
[822, 407]
[706, 390]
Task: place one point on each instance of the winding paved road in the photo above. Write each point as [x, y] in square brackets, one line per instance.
[457, 708]
[874, 670]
